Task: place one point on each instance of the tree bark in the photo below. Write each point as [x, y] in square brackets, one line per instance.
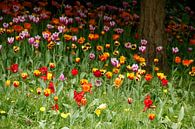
[152, 29]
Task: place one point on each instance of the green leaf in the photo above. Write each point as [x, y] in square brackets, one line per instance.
[185, 18]
[174, 126]
[73, 117]
[67, 106]
[181, 114]
[82, 75]
[60, 88]
[94, 102]
[47, 57]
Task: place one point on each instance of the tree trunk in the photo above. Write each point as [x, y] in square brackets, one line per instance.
[152, 29]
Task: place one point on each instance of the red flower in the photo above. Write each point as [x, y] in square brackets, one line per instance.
[13, 68]
[51, 87]
[78, 96]
[164, 82]
[44, 78]
[43, 70]
[74, 72]
[147, 102]
[97, 73]
[55, 107]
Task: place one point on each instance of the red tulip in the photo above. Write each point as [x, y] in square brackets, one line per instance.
[78, 96]
[164, 82]
[97, 73]
[13, 68]
[74, 72]
[147, 102]
[51, 87]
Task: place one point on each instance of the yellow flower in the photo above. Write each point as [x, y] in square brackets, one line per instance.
[94, 69]
[121, 76]
[161, 76]
[16, 83]
[142, 64]
[24, 75]
[107, 45]
[77, 60]
[106, 54]
[52, 65]
[83, 81]
[128, 67]
[103, 71]
[16, 49]
[138, 77]
[133, 46]
[141, 72]
[67, 37]
[74, 46]
[98, 112]
[156, 60]
[7, 83]
[191, 73]
[117, 43]
[122, 59]
[108, 74]
[99, 47]
[116, 53]
[64, 115]
[115, 70]
[37, 72]
[49, 76]
[42, 109]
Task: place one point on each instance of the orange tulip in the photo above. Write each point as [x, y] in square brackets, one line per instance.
[193, 69]
[81, 40]
[55, 21]
[83, 101]
[151, 116]
[177, 60]
[86, 87]
[118, 82]
[148, 77]
[187, 62]
[115, 36]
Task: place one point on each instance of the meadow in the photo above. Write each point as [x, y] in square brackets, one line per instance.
[83, 67]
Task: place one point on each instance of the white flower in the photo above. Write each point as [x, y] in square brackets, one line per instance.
[102, 106]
